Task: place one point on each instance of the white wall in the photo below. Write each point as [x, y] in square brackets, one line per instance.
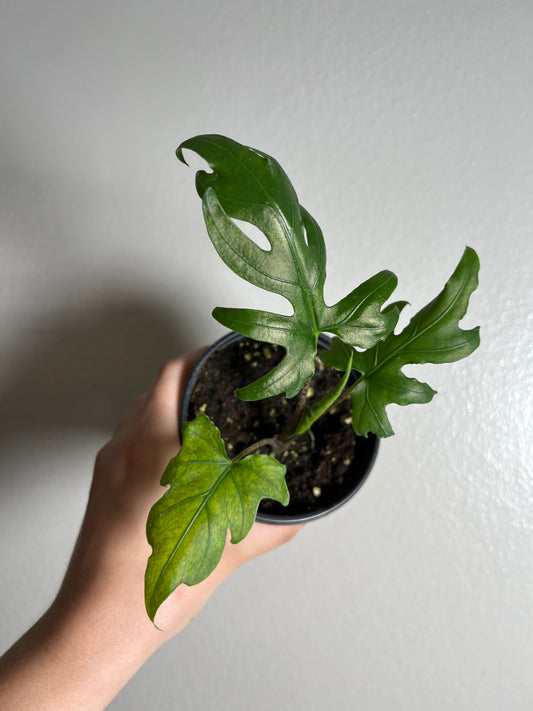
[406, 129]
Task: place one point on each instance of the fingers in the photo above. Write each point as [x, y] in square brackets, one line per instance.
[264, 537]
[147, 434]
[131, 414]
[261, 539]
[186, 601]
[172, 375]
[167, 389]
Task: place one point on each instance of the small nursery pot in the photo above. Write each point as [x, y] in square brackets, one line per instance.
[331, 464]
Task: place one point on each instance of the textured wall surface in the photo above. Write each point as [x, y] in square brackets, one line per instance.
[406, 130]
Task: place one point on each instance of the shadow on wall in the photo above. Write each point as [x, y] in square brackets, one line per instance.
[81, 369]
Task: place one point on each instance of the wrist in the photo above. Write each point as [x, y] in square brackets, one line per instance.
[107, 615]
[78, 655]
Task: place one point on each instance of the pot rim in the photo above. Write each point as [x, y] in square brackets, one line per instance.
[280, 518]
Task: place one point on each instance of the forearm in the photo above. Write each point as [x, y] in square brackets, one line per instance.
[75, 658]
[95, 636]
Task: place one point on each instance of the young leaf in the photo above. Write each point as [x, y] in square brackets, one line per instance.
[312, 413]
[249, 185]
[209, 494]
[432, 336]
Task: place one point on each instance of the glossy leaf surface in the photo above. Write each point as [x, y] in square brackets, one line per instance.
[432, 336]
[209, 494]
[249, 185]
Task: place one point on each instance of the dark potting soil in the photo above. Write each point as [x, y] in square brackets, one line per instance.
[320, 467]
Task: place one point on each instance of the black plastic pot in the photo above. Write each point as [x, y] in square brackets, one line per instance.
[366, 447]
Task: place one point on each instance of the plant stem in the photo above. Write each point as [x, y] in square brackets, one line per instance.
[346, 393]
[348, 390]
[277, 447]
[302, 418]
[311, 414]
[292, 422]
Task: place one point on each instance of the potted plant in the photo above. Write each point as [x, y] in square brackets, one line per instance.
[298, 398]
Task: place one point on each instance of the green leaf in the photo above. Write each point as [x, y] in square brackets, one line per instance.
[432, 336]
[249, 185]
[209, 494]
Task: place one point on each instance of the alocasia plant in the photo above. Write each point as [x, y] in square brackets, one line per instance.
[211, 493]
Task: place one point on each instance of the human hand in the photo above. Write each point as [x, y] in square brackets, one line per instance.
[112, 550]
[97, 632]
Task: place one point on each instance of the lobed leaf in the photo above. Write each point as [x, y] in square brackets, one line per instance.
[249, 185]
[432, 336]
[209, 494]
